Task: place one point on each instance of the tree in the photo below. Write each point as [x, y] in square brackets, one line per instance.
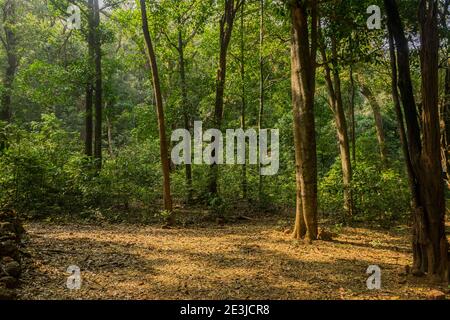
[430, 247]
[333, 81]
[98, 88]
[365, 90]
[9, 41]
[226, 28]
[303, 75]
[90, 81]
[151, 56]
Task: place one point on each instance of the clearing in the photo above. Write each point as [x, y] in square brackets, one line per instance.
[248, 260]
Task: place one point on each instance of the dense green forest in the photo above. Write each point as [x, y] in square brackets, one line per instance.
[98, 98]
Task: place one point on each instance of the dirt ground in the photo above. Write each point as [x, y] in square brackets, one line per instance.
[251, 260]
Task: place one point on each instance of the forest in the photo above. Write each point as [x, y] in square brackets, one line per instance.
[231, 149]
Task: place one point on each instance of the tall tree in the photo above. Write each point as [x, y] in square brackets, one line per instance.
[151, 56]
[226, 28]
[243, 99]
[9, 41]
[90, 80]
[261, 84]
[303, 76]
[430, 246]
[333, 81]
[98, 87]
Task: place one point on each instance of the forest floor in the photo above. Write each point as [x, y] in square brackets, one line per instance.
[247, 260]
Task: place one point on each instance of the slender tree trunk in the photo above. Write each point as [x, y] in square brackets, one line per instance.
[445, 114]
[378, 120]
[261, 87]
[9, 43]
[88, 142]
[109, 133]
[400, 121]
[167, 198]
[98, 89]
[352, 113]
[185, 106]
[303, 57]
[226, 28]
[244, 166]
[335, 100]
[430, 247]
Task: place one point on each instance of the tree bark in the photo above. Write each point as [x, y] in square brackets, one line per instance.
[303, 60]
[430, 246]
[167, 198]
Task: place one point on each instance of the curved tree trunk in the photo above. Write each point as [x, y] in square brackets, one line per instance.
[167, 198]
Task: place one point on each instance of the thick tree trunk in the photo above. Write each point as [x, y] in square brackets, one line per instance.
[378, 120]
[226, 28]
[303, 59]
[185, 106]
[167, 198]
[88, 142]
[98, 89]
[430, 247]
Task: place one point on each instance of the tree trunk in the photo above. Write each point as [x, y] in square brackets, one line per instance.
[378, 120]
[335, 100]
[430, 247]
[244, 166]
[88, 142]
[184, 103]
[160, 110]
[400, 121]
[352, 114]
[9, 43]
[261, 88]
[226, 28]
[303, 58]
[98, 89]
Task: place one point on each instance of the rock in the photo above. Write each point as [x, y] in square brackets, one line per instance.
[8, 248]
[6, 294]
[436, 295]
[12, 268]
[9, 282]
